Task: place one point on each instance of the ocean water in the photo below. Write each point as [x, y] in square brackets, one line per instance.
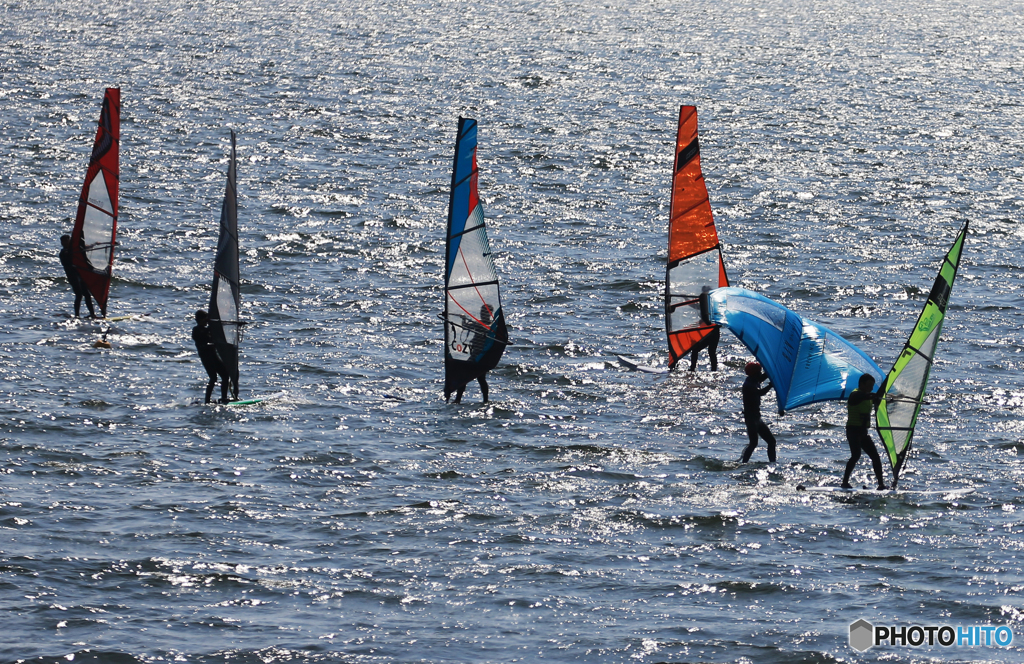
[588, 513]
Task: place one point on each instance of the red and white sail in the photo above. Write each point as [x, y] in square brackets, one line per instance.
[93, 237]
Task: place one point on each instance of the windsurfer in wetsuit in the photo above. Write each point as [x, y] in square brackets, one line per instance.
[481, 331]
[752, 393]
[710, 340]
[858, 419]
[75, 279]
[208, 354]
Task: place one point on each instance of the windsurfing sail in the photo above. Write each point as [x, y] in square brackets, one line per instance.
[695, 263]
[225, 298]
[475, 335]
[905, 385]
[92, 238]
[805, 361]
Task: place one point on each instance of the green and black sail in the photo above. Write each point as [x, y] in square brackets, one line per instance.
[906, 383]
[226, 299]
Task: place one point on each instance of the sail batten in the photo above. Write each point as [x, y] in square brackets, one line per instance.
[225, 296]
[93, 237]
[695, 263]
[905, 385]
[475, 334]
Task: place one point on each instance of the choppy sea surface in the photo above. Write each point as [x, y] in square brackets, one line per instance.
[588, 513]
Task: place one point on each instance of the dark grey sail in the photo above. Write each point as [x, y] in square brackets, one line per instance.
[225, 299]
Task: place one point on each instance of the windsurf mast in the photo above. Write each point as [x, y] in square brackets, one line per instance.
[92, 238]
[905, 385]
[225, 297]
[695, 264]
[475, 334]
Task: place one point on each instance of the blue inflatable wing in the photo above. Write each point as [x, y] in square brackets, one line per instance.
[805, 361]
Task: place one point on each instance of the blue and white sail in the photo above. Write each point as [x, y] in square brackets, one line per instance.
[805, 361]
[475, 334]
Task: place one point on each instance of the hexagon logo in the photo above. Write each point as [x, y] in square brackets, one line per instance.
[861, 635]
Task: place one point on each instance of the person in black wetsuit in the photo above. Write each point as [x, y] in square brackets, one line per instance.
[77, 285]
[208, 354]
[710, 341]
[481, 329]
[752, 393]
[858, 419]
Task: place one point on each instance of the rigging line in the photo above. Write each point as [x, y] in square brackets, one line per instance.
[459, 305]
[479, 294]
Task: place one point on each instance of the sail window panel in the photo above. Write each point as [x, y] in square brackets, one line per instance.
[911, 382]
[683, 314]
[900, 440]
[843, 354]
[470, 319]
[227, 311]
[98, 225]
[470, 302]
[901, 416]
[98, 194]
[695, 275]
[774, 316]
[473, 263]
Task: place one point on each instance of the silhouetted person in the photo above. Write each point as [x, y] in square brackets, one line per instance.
[208, 354]
[710, 340]
[75, 279]
[752, 393]
[481, 331]
[858, 420]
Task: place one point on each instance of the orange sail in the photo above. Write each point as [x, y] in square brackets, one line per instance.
[92, 239]
[694, 253]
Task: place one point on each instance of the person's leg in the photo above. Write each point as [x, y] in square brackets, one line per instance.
[851, 439]
[209, 388]
[693, 358]
[714, 337]
[225, 385]
[752, 445]
[483, 385]
[868, 445]
[88, 304]
[764, 432]
[78, 305]
[458, 394]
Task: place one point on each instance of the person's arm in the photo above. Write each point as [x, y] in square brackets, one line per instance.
[765, 390]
